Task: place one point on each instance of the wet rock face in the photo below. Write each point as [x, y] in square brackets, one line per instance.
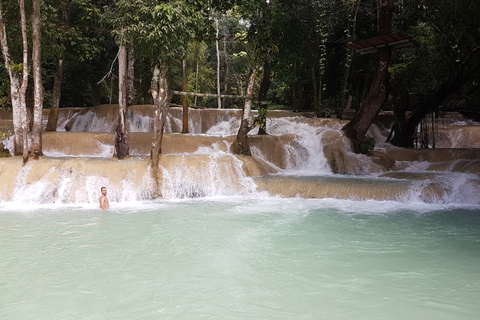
[383, 159]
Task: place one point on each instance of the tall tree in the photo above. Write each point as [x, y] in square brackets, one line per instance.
[122, 17]
[162, 31]
[122, 136]
[18, 74]
[241, 144]
[261, 46]
[78, 48]
[351, 31]
[37, 82]
[357, 128]
[131, 73]
[217, 29]
[65, 8]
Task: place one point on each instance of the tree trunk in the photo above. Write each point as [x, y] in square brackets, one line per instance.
[122, 137]
[357, 128]
[294, 97]
[348, 60]
[185, 98]
[37, 82]
[262, 99]
[314, 82]
[241, 145]
[318, 111]
[219, 100]
[18, 84]
[23, 89]
[161, 99]
[196, 83]
[226, 81]
[299, 88]
[15, 87]
[301, 100]
[131, 75]
[56, 94]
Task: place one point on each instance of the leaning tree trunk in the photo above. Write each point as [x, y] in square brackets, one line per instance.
[241, 145]
[37, 83]
[122, 137]
[56, 94]
[262, 99]
[161, 99]
[357, 128]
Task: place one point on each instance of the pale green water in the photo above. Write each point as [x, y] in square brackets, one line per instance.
[240, 259]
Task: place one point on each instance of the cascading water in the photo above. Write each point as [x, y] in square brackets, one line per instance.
[216, 174]
[306, 154]
[306, 149]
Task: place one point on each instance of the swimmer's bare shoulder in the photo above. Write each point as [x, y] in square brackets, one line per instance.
[103, 200]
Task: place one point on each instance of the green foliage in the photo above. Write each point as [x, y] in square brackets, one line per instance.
[5, 133]
[160, 29]
[366, 145]
[446, 32]
[295, 36]
[5, 100]
[279, 107]
[17, 68]
[259, 119]
[71, 26]
[197, 52]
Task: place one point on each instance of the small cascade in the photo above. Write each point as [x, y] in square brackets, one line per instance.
[305, 154]
[76, 180]
[140, 119]
[194, 176]
[438, 187]
[140, 123]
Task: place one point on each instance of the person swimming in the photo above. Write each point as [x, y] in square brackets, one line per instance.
[103, 199]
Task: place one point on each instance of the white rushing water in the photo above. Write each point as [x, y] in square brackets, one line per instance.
[221, 174]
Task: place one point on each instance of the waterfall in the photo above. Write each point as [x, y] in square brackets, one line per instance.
[300, 156]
